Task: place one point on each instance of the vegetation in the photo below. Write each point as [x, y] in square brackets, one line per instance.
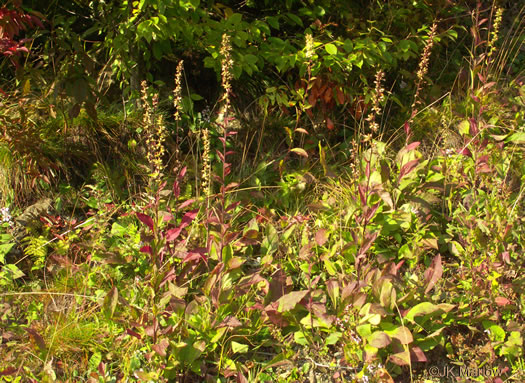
[262, 191]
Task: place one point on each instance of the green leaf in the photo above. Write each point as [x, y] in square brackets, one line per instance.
[289, 301]
[421, 309]
[300, 338]
[5, 248]
[333, 338]
[496, 333]
[239, 347]
[331, 49]
[110, 302]
[379, 339]
[517, 138]
[94, 361]
[235, 18]
[402, 334]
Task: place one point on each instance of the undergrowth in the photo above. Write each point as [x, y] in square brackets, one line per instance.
[393, 256]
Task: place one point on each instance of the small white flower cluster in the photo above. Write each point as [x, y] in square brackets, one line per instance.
[5, 216]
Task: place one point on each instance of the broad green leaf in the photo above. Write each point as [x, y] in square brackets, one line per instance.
[379, 339]
[401, 333]
[331, 49]
[364, 330]
[496, 333]
[517, 138]
[421, 309]
[239, 347]
[401, 358]
[333, 338]
[300, 338]
[94, 361]
[289, 301]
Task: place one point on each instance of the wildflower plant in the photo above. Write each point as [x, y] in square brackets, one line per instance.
[420, 77]
[177, 103]
[377, 98]
[155, 134]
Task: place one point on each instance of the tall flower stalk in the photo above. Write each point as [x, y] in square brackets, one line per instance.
[421, 73]
[177, 103]
[155, 135]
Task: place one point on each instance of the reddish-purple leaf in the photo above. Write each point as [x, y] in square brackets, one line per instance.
[433, 273]
[233, 205]
[101, 368]
[502, 301]
[37, 338]
[8, 371]
[412, 146]
[321, 237]
[465, 152]
[406, 128]
[369, 213]
[241, 378]
[221, 157]
[197, 254]
[182, 172]
[367, 243]
[230, 322]
[145, 219]
[160, 348]
[473, 129]
[417, 354]
[231, 186]
[173, 234]
[185, 204]
[133, 333]
[289, 301]
[362, 195]
[408, 167]
[176, 189]
[146, 249]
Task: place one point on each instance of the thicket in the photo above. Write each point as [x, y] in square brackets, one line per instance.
[262, 191]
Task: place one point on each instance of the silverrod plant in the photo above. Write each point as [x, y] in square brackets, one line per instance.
[346, 254]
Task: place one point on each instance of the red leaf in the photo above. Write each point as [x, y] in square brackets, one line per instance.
[433, 273]
[145, 249]
[233, 205]
[133, 333]
[145, 219]
[465, 152]
[320, 237]
[173, 234]
[412, 146]
[8, 371]
[408, 167]
[362, 194]
[502, 301]
[161, 347]
[230, 322]
[329, 124]
[417, 354]
[367, 243]
[196, 254]
[37, 338]
[185, 204]
[176, 189]
[182, 172]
